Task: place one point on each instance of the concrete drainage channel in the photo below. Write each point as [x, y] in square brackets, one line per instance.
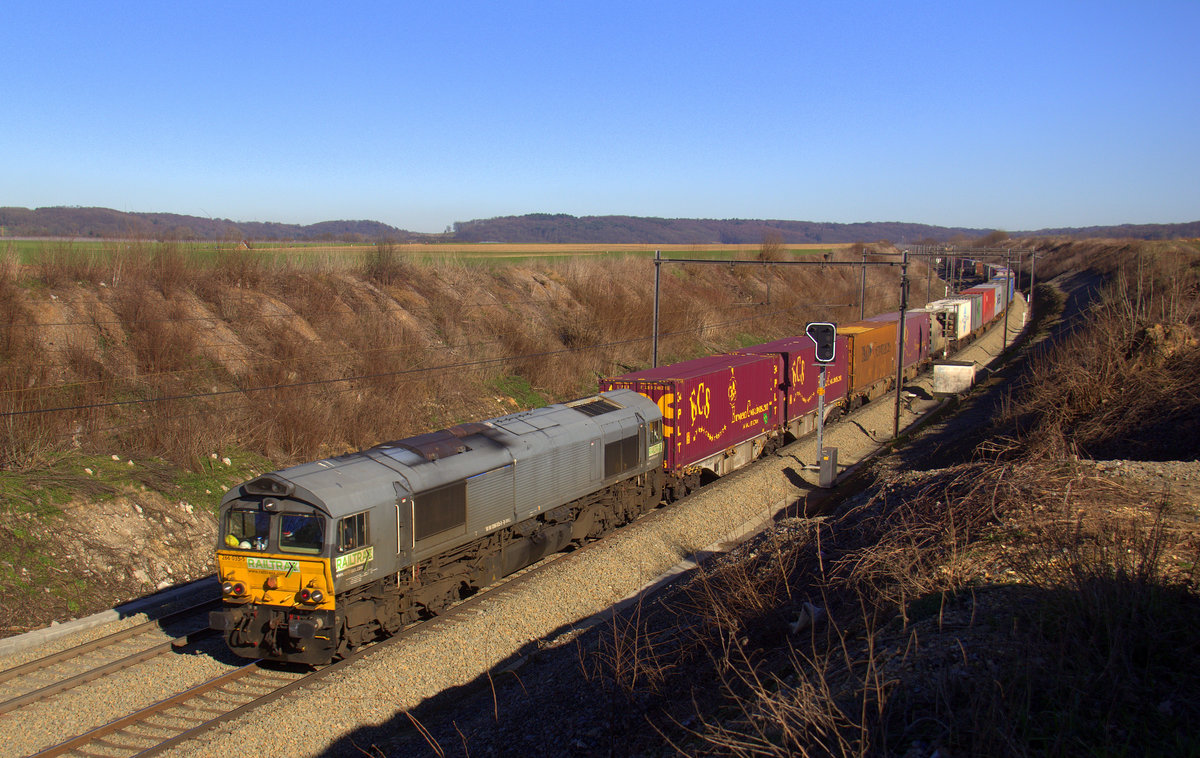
[150, 607]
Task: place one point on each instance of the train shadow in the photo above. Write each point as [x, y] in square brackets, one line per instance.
[569, 677]
[575, 691]
[585, 674]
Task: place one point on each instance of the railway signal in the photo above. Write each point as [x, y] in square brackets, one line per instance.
[824, 336]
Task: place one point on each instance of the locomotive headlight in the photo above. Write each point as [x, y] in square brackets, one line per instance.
[312, 596]
[227, 588]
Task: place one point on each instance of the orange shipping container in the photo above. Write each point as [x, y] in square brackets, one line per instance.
[872, 349]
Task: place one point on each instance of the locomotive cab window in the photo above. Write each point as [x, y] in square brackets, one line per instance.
[352, 532]
[654, 438]
[247, 529]
[302, 533]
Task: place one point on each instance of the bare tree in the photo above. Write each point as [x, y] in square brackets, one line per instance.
[772, 246]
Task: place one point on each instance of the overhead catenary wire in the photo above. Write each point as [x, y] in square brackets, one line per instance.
[260, 360]
[362, 377]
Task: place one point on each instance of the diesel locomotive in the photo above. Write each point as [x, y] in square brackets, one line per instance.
[320, 558]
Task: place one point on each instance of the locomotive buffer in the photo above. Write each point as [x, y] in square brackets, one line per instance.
[824, 335]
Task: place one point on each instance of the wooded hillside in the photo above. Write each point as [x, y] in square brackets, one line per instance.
[62, 221]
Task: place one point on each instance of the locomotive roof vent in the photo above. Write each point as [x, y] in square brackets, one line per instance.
[270, 485]
[594, 406]
[442, 444]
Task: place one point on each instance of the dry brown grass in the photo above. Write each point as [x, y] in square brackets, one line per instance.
[1018, 604]
[297, 358]
[995, 608]
[1127, 385]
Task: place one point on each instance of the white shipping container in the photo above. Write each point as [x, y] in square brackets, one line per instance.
[954, 314]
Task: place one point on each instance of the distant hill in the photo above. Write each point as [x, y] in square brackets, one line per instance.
[64, 221]
[1190, 230]
[530, 228]
[562, 228]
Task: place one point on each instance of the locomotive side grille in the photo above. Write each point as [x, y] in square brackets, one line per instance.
[490, 496]
[573, 468]
[438, 510]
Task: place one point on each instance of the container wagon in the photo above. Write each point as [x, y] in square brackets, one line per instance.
[800, 373]
[987, 303]
[719, 413]
[871, 346]
[916, 337]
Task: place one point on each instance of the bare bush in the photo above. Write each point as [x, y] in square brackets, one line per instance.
[383, 264]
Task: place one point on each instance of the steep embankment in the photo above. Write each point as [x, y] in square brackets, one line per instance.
[136, 388]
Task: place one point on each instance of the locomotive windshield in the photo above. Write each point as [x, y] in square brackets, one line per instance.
[252, 529]
[248, 530]
[301, 533]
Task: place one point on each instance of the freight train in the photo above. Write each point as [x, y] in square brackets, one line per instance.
[321, 558]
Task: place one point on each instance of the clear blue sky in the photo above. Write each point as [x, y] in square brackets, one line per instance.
[1013, 115]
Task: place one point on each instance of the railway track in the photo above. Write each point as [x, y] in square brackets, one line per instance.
[48, 676]
[176, 719]
[189, 714]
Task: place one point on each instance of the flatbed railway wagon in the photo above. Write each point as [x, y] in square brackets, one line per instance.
[719, 413]
[801, 372]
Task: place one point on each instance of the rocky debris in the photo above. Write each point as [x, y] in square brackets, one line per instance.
[1155, 481]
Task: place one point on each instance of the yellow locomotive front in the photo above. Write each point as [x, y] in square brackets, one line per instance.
[274, 563]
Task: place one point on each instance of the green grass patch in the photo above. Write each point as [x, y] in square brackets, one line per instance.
[746, 340]
[519, 389]
[42, 492]
[204, 488]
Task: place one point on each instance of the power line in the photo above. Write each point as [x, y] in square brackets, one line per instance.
[261, 360]
[404, 372]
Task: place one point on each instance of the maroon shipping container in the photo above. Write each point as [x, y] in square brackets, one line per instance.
[709, 405]
[800, 372]
[989, 301]
[916, 334]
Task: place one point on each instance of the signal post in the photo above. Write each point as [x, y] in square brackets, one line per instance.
[824, 336]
